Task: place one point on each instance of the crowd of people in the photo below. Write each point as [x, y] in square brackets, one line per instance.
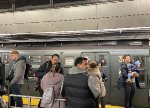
[82, 86]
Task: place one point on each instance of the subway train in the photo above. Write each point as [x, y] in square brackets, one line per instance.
[109, 53]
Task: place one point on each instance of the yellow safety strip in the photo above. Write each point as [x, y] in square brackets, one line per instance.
[34, 102]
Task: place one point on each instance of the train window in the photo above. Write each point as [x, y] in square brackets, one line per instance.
[103, 60]
[141, 78]
[69, 61]
[89, 56]
[47, 57]
[35, 59]
[5, 59]
[135, 43]
[33, 70]
[141, 59]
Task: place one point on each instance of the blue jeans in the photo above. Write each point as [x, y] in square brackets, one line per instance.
[16, 89]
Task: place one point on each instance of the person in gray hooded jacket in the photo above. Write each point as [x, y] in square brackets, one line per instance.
[94, 72]
[18, 79]
[79, 89]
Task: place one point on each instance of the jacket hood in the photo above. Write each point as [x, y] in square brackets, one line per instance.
[94, 71]
[75, 70]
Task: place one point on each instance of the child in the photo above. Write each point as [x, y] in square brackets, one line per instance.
[133, 70]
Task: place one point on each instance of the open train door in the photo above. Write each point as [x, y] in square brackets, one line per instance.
[104, 58]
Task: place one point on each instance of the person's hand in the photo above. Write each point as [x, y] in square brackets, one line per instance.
[135, 74]
[129, 75]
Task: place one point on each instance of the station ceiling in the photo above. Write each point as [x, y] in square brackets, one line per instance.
[14, 5]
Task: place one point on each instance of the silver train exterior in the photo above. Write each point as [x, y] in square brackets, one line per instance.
[109, 53]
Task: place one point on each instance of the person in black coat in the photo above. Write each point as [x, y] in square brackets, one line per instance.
[129, 87]
[45, 68]
[2, 72]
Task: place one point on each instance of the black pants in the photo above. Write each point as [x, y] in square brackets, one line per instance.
[129, 89]
[102, 100]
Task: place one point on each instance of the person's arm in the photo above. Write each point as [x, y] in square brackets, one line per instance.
[1, 74]
[93, 87]
[61, 70]
[40, 71]
[20, 69]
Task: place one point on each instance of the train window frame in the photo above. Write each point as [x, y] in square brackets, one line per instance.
[88, 56]
[142, 77]
[103, 61]
[47, 57]
[6, 59]
[69, 61]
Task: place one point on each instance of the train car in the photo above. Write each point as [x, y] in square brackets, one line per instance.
[109, 53]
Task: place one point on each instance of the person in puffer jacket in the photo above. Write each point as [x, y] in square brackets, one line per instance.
[95, 73]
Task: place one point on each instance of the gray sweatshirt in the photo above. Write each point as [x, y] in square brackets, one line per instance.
[91, 81]
[19, 71]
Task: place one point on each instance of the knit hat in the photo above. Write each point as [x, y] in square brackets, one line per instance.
[137, 62]
[14, 52]
[92, 64]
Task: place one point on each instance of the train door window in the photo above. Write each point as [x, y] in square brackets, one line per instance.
[102, 59]
[89, 56]
[47, 57]
[142, 76]
[6, 59]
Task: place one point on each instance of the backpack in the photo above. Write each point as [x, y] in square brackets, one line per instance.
[28, 67]
[50, 81]
[120, 81]
[48, 96]
[27, 70]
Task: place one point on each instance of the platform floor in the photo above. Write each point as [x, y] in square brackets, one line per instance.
[34, 103]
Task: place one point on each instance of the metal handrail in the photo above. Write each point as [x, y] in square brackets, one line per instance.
[29, 98]
[24, 96]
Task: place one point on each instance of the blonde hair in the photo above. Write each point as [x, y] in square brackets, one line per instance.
[14, 52]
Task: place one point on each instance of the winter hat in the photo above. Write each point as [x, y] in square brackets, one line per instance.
[92, 64]
[137, 62]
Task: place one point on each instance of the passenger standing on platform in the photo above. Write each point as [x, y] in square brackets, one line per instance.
[17, 82]
[2, 82]
[56, 79]
[129, 88]
[95, 73]
[45, 68]
[2, 72]
[79, 88]
[104, 79]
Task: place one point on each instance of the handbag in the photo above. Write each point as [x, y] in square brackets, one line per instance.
[10, 76]
[3, 89]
